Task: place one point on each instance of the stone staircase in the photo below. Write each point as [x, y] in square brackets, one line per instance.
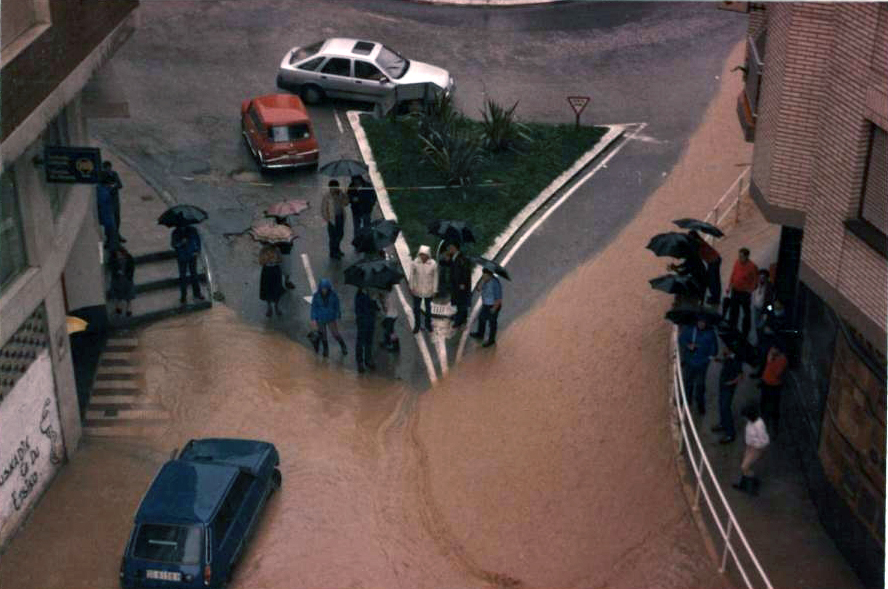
[157, 291]
[119, 405]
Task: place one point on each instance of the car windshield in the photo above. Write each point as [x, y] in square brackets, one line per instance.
[288, 133]
[169, 543]
[391, 63]
[301, 53]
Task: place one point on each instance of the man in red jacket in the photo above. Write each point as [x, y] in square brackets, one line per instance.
[744, 279]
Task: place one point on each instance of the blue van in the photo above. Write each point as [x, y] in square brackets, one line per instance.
[199, 513]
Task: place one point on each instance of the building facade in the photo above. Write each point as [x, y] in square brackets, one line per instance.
[50, 253]
[815, 104]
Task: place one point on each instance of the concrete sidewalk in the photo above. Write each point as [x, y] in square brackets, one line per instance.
[781, 524]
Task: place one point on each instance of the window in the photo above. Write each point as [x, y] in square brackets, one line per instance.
[871, 224]
[755, 58]
[367, 71]
[337, 66]
[312, 64]
[168, 543]
[391, 63]
[288, 133]
[57, 134]
[301, 53]
[13, 259]
[363, 48]
[230, 506]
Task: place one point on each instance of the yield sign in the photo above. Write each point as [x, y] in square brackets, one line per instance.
[578, 103]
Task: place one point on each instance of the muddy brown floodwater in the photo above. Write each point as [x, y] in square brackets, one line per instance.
[545, 463]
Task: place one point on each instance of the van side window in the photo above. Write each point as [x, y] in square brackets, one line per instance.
[231, 504]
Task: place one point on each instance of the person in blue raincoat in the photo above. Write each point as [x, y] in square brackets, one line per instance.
[698, 345]
[325, 311]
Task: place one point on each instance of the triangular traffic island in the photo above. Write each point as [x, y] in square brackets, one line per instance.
[494, 174]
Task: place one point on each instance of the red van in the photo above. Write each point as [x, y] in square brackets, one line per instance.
[279, 132]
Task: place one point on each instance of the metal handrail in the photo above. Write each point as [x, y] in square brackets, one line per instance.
[701, 467]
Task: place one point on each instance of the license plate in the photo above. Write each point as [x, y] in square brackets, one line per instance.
[163, 575]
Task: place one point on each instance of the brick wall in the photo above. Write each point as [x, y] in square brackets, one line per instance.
[77, 28]
[823, 66]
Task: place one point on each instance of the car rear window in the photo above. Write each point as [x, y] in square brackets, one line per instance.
[301, 53]
[283, 134]
[169, 543]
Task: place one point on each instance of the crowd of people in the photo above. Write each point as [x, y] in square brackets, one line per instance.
[753, 324]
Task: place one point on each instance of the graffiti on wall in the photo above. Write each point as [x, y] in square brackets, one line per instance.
[31, 447]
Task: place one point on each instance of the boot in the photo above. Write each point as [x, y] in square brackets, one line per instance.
[744, 484]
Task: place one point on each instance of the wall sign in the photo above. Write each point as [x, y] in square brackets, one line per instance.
[72, 165]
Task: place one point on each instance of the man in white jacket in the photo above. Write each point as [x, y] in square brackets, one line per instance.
[423, 285]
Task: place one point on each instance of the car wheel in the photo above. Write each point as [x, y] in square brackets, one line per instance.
[312, 94]
[276, 480]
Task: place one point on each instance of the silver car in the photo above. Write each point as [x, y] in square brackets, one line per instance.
[358, 70]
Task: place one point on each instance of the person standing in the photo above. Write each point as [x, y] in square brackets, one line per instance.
[771, 387]
[762, 296]
[390, 307]
[698, 345]
[744, 278]
[113, 180]
[365, 319]
[460, 282]
[362, 199]
[325, 312]
[105, 204]
[333, 212]
[491, 303]
[712, 259]
[123, 289]
[271, 287]
[423, 283]
[756, 437]
[186, 241]
[730, 376]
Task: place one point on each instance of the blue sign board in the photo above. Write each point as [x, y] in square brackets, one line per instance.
[72, 165]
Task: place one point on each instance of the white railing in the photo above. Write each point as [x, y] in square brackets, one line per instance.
[707, 485]
[729, 201]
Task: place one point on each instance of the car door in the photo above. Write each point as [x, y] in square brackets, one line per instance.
[371, 84]
[254, 129]
[247, 493]
[336, 77]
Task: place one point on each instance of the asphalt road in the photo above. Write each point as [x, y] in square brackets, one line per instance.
[190, 64]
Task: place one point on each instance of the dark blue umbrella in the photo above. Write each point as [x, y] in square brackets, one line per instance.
[182, 215]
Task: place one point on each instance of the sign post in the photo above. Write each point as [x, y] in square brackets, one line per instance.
[72, 165]
[578, 104]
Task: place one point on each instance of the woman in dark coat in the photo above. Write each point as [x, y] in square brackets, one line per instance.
[271, 280]
[123, 290]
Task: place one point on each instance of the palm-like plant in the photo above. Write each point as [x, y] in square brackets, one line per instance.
[456, 154]
[501, 130]
[440, 119]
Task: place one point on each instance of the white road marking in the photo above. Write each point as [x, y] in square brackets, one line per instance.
[311, 277]
[423, 347]
[536, 225]
[338, 122]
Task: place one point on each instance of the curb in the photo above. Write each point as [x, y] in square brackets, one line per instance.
[168, 199]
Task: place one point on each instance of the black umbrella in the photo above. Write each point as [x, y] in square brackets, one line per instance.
[490, 265]
[182, 215]
[738, 344]
[673, 244]
[702, 226]
[381, 234]
[344, 168]
[676, 284]
[458, 231]
[687, 315]
[373, 274]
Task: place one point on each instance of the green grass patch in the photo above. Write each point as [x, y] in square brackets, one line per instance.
[488, 209]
